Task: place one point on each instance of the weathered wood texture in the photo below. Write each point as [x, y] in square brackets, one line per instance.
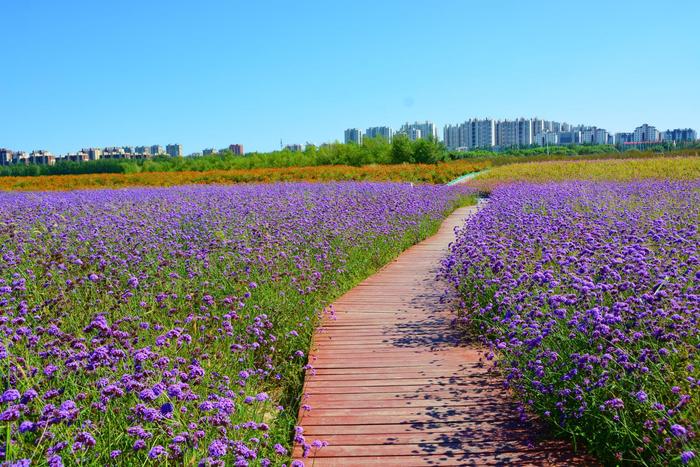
[394, 385]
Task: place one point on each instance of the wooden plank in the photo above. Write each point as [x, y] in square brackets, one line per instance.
[521, 459]
[392, 384]
[379, 430]
[460, 448]
[417, 437]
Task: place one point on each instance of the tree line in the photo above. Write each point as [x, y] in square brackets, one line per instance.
[372, 151]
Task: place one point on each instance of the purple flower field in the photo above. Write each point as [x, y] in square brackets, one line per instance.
[154, 325]
[588, 295]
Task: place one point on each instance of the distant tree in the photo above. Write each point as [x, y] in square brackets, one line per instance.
[378, 150]
[401, 150]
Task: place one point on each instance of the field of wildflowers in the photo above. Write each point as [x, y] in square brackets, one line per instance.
[611, 169]
[417, 173]
[588, 294]
[171, 324]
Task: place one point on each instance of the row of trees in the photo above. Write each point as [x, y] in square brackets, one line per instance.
[371, 151]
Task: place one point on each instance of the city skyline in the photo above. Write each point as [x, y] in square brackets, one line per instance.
[473, 133]
[187, 78]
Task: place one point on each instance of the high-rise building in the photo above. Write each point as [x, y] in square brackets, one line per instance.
[143, 150]
[623, 138]
[537, 127]
[20, 157]
[6, 156]
[472, 134]
[569, 137]
[353, 135]
[425, 130]
[452, 136]
[157, 150]
[414, 133]
[383, 131]
[294, 147]
[208, 151]
[525, 135]
[77, 157]
[506, 133]
[511, 133]
[93, 153]
[113, 153]
[547, 138]
[174, 150]
[600, 136]
[646, 134]
[128, 150]
[236, 149]
[587, 134]
[679, 135]
[42, 157]
[479, 133]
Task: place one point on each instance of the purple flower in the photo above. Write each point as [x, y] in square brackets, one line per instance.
[26, 426]
[687, 456]
[678, 430]
[281, 450]
[21, 463]
[156, 451]
[166, 408]
[10, 395]
[217, 448]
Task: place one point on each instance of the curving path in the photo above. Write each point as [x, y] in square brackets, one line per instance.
[394, 386]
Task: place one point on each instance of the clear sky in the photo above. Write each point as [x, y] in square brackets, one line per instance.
[211, 73]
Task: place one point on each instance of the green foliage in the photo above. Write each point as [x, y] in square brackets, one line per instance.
[401, 150]
[572, 150]
[372, 151]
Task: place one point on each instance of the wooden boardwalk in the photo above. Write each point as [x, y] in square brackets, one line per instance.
[394, 386]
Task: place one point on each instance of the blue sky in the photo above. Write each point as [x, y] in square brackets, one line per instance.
[212, 73]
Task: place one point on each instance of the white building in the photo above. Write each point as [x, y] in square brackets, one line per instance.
[679, 135]
[353, 135]
[547, 138]
[426, 129]
[157, 150]
[414, 133]
[600, 136]
[479, 133]
[645, 134]
[587, 134]
[383, 131]
[511, 133]
[143, 150]
[452, 136]
[569, 137]
[538, 126]
[20, 157]
[6, 156]
[174, 150]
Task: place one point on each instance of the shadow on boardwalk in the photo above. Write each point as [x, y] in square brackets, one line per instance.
[396, 385]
